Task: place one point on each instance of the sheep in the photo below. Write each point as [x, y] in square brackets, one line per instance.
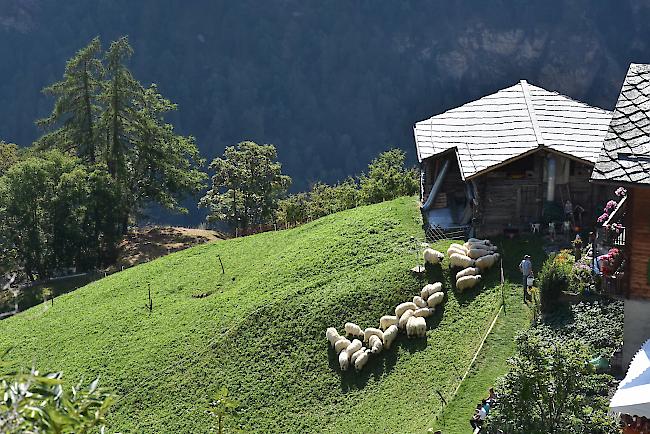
[435, 299]
[487, 261]
[387, 321]
[458, 246]
[433, 256]
[471, 271]
[375, 344]
[466, 282]
[389, 336]
[419, 301]
[400, 309]
[416, 327]
[457, 251]
[477, 241]
[341, 344]
[332, 335]
[477, 253]
[351, 329]
[488, 247]
[372, 331]
[404, 318]
[344, 360]
[354, 356]
[423, 312]
[361, 361]
[354, 346]
[462, 261]
[429, 289]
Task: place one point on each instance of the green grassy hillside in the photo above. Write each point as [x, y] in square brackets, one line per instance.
[260, 331]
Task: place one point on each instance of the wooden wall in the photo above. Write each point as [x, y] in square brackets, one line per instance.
[637, 222]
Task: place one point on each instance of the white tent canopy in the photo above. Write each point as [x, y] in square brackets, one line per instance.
[633, 394]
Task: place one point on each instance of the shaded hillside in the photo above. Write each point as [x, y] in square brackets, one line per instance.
[330, 83]
[260, 330]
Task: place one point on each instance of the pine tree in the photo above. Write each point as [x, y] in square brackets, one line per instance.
[119, 91]
[75, 111]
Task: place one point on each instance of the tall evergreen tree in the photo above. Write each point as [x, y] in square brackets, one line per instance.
[75, 111]
[119, 91]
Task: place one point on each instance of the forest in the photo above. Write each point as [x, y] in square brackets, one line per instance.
[329, 87]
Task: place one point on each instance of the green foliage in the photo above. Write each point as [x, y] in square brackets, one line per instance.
[247, 185]
[75, 112]
[387, 178]
[9, 155]
[554, 278]
[261, 330]
[597, 324]
[103, 114]
[551, 389]
[41, 403]
[55, 213]
[221, 406]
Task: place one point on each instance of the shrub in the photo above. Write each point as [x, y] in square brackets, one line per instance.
[555, 277]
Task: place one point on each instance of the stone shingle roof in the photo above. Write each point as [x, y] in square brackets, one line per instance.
[511, 122]
[625, 156]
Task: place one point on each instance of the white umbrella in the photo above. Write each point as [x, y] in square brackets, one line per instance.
[633, 394]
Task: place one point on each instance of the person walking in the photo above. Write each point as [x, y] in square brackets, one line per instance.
[526, 268]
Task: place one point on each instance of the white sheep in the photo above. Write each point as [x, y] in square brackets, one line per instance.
[477, 253]
[351, 329]
[419, 301]
[458, 246]
[487, 261]
[490, 248]
[429, 289]
[423, 312]
[361, 361]
[354, 356]
[372, 331]
[433, 256]
[478, 241]
[387, 321]
[416, 327]
[401, 308]
[344, 360]
[332, 335]
[467, 282]
[375, 344]
[354, 346]
[389, 336]
[462, 261]
[341, 344]
[435, 299]
[404, 318]
[471, 271]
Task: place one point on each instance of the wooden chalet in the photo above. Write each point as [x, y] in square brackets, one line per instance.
[625, 162]
[492, 164]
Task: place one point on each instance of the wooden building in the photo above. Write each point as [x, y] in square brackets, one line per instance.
[494, 163]
[625, 162]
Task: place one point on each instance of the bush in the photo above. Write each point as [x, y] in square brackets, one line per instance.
[554, 278]
[550, 388]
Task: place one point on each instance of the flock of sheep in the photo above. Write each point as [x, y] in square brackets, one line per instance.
[473, 256]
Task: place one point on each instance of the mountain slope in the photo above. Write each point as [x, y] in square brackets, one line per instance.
[260, 330]
[330, 83]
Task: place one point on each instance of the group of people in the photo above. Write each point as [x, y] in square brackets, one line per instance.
[483, 409]
[635, 424]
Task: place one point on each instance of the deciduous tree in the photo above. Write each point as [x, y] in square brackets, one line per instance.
[247, 185]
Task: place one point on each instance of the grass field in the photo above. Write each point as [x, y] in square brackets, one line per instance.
[260, 331]
[499, 345]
